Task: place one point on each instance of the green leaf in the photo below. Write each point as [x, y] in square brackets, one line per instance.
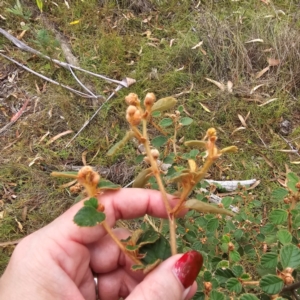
[248, 297]
[237, 270]
[156, 114]
[139, 158]
[269, 260]
[233, 285]
[215, 295]
[119, 145]
[207, 276]
[238, 233]
[193, 153]
[142, 178]
[88, 216]
[166, 122]
[132, 248]
[212, 224]
[290, 256]
[180, 108]
[185, 121]
[284, 236]
[169, 159]
[65, 174]
[268, 229]
[137, 267]
[279, 194]
[225, 239]
[39, 4]
[206, 208]
[105, 184]
[271, 284]
[249, 250]
[196, 144]
[199, 296]
[149, 236]
[223, 275]
[164, 104]
[292, 180]
[92, 202]
[245, 276]
[159, 141]
[234, 256]
[215, 283]
[278, 216]
[226, 201]
[296, 221]
[223, 264]
[159, 250]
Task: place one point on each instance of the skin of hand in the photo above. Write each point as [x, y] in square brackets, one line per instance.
[60, 260]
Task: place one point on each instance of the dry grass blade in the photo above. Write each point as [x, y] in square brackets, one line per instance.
[83, 157]
[262, 72]
[242, 120]
[66, 185]
[59, 136]
[205, 107]
[198, 45]
[237, 129]
[20, 112]
[267, 102]
[295, 162]
[248, 115]
[255, 41]
[44, 136]
[273, 62]
[220, 85]
[255, 88]
[229, 86]
[10, 243]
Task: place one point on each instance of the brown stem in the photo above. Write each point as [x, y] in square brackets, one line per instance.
[174, 140]
[292, 206]
[158, 128]
[183, 197]
[156, 173]
[291, 287]
[119, 243]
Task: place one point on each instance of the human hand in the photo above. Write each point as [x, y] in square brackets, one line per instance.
[60, 260]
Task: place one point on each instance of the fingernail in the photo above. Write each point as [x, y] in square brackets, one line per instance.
[187, 267]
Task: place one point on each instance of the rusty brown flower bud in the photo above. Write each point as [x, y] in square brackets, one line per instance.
[288, 279]
[149, 100]
[207, 287]
[132, 99]
[155, 153]
[230, 246]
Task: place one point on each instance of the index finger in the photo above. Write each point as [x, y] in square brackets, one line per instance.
[122, 204]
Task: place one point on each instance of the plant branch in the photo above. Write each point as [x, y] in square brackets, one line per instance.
[156, 173]
[291, 287]
[119, 243]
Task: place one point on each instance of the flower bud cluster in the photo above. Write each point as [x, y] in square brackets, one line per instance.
[133, 115]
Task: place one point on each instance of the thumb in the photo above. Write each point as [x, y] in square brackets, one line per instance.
[173, 279]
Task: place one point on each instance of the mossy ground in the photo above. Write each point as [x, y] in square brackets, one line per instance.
[151, 42]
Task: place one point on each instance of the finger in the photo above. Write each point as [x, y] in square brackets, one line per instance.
[173, 279]
[106, 255]
[122, 204]
[115, 285]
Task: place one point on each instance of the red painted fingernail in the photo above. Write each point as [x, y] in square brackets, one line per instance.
[188, 267]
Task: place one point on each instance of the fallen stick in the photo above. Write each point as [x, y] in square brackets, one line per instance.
[232, 185]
